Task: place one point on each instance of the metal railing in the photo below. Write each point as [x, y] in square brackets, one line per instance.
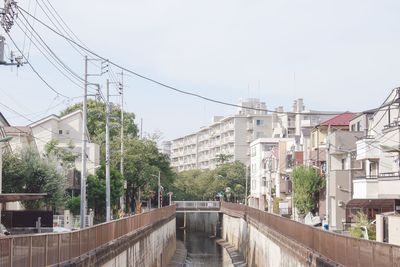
[197, 205]
[53, 248]
[340, 249]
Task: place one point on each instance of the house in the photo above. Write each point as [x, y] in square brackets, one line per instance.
[318, 149]
[67, 131]
[379, 151]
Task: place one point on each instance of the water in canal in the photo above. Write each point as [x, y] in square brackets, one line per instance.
[203, 250]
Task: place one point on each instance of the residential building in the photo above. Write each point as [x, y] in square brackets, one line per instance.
[228, 136]
[165, 148]
[341, 167]
[271, 163]
[232, 135]
[379, 150]
[318, 149]
[21, 137]
[67, 131]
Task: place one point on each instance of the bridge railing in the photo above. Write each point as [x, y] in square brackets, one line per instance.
[197, 205]
[345, 250]
[52, 248]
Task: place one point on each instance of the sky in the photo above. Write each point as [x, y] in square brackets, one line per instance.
[337, 55]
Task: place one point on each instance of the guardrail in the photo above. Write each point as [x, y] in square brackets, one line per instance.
[53, 248]
[340, 249]
[197, 205]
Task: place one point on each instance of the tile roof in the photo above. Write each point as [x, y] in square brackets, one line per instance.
[339, 120]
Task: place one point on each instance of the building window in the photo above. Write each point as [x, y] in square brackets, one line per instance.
[259, 122]
[264, 181]
[59, 131]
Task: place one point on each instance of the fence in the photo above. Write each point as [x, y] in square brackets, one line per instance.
[59, 220]
[341, 249]
[48, 249]
[197, 205]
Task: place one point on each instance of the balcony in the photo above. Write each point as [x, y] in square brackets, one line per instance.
[285, 186]
[367, 148]
[365, 187]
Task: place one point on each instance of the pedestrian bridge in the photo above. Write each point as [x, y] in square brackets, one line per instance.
[149, 239]
[197, 206]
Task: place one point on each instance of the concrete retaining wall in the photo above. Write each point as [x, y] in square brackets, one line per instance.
[153, 246]
[263, 247]
[206, 222]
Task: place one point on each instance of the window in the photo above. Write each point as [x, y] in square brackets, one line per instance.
[259, 122]
[59, 131]
[264, 181]
[253, 152]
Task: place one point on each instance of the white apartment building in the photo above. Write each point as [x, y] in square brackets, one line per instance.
[230, 136]
[379, 150]
[271, 163]
[233, 134]
[67, 130]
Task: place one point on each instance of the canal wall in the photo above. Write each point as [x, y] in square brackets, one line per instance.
[263, 247]
[206, 222]
[152, 246]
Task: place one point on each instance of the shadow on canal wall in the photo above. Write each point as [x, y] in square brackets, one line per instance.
[263, 247]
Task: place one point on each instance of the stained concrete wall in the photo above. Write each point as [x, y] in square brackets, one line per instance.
[206, 222]
[263, 247]
[153, 246]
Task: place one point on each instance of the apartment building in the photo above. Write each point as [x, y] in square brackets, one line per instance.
[229, 136]
[232, 135]
[271, 163]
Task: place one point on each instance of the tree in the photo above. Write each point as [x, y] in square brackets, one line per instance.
[96, 123]
[143, 161]
[96, 191]
[362, 227]
[26, 172]
[223, 158]
[228, 178]
[306, 184]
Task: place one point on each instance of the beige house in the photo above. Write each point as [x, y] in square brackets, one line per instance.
[67, 130]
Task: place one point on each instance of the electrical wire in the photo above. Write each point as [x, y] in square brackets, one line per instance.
[47, 57]
[52, 52]
[162, 83]
[34, 70]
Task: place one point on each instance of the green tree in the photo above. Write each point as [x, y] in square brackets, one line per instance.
[73, 204]
[96, 123]
[361, 225]
[207, 184]
[306, 184]
[96, 191]
[143, 161]
[26, 172]
[224, 158]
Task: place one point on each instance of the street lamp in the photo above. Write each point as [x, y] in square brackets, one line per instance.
[3, 140]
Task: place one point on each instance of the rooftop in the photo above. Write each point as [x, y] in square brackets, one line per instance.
[339, 120]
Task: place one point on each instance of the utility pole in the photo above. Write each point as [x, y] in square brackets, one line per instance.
[84, 127]
[245, 194]
[122, 202]
[159, 189]
[108, 204]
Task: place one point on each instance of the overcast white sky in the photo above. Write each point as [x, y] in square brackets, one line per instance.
[337, 55]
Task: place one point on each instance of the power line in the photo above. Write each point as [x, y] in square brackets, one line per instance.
[34, 70]
[48, 59]
[52, 52]
[164, 84]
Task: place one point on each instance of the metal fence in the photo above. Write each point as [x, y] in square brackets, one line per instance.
[48, 249]
[197, 205]
[341, 249]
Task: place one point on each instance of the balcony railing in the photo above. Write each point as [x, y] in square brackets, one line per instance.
[390, 175]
